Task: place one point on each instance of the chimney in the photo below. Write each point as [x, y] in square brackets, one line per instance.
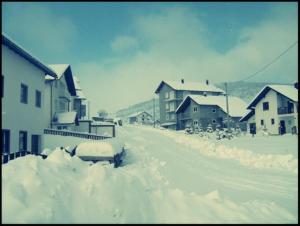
[296, 85]
[207, 82]
[182, 80]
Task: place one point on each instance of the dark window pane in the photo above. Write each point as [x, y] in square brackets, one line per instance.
[5, 141]
[266, 106]
[24, 94]
[37, 98]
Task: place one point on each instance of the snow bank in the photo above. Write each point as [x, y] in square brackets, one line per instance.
[64, 189]
[245, 157]
[105, 148]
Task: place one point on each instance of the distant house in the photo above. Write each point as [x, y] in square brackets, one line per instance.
[79, 101]
[59, 95]
[141, 117]
[23, 100]
[201, 111]
[274, 109]
[172, 93]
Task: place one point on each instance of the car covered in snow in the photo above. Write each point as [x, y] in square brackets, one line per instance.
[111, 150]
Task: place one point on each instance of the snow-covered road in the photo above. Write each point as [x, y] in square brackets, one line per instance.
[185, 168]
[167, 177]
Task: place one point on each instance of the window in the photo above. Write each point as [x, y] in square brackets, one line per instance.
[2, 86]
[38, 99]
[262, 122]
[59, 127]
[167, 95]
[272, 121]
[22, 141]
[214, 121]
[195, 109]
[265, 106]
[172, 106]
[24, 94]
[172, 95]
[167, 106]
[195, 122]
[172, 116]
[214, 110]
[5, 141]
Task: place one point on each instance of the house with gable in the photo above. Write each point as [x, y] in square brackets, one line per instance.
[203, 111]
[274, 109]
[141, 117]
[23, 100]
[172, 93]
[59, 97]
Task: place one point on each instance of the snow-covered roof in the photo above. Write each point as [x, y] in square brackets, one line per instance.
[65, 117]
[138, 113]
[59, 69]
[237, 107]
[190, 86]
[79, 92]
[288, 91]
[248, 115]
[107, 148]
[27, 55]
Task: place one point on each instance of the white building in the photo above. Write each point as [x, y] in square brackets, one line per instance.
[23, 105]
[59, 97]
[274, 109]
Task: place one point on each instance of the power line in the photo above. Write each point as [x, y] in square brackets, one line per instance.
[270, 63]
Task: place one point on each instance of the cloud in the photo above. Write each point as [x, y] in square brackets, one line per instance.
[123, 43]
[38, 24]
[176, 45]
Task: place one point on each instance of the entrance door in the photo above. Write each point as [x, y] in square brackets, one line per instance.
[252, 128]
[282, 127]
[35, 144]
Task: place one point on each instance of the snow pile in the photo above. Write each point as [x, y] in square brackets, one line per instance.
[64, 189]
[245, 157]
[105, 148]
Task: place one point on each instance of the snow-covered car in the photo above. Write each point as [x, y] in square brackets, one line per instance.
[111, 150]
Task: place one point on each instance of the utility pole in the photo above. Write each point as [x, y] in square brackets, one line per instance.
[227, 107]
[154, 112]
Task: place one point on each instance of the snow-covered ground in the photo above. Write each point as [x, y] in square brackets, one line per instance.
[168, 177]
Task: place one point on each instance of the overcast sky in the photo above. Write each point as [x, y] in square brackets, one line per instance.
[121, 51]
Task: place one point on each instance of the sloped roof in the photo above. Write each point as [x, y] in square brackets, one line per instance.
[138, 113]
[64, 69]
[189, 86]
[247, 115]
[28, 56]
[79, 92]
[288, 91]
[237, 107]
[66, 118]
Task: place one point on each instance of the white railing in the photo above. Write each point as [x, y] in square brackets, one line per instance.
[75, 134]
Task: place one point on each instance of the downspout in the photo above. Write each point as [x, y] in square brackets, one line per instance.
[51, 105]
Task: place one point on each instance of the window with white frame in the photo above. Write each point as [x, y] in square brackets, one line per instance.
[172, 106]
[172, 95]
[167, 106]
[195, 109]
[172, 116]
[166, 95]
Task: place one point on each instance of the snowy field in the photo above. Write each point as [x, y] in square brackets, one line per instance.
[167, 177]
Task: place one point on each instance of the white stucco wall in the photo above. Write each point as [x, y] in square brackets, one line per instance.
[260, 114]
[17, 116]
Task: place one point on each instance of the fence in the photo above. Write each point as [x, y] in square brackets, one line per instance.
[75, 134]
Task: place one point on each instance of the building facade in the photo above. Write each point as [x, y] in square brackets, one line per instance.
[274, 109]
[172, 93]
[142, 117]
[23, 105]
[210, 111]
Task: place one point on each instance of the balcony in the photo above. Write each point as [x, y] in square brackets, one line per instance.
[285, 110]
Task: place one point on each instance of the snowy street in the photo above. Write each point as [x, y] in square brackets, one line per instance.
[167, 177]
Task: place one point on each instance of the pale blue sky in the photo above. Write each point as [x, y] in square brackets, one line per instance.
[120, 51]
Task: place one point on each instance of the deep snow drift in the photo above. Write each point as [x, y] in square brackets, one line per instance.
[165, 179]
